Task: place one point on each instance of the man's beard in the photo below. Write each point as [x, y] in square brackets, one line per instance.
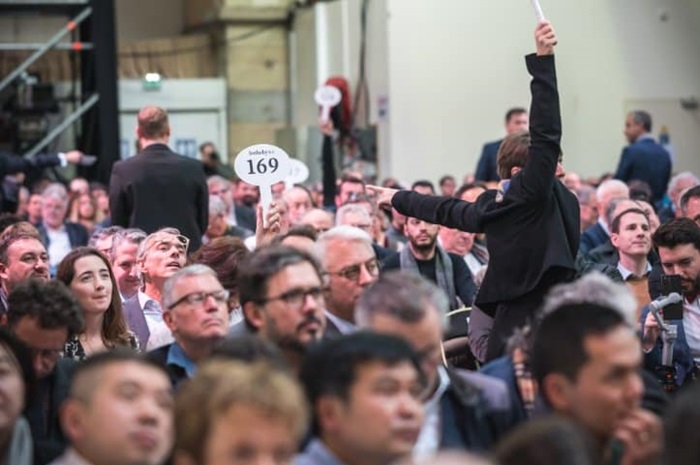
[424, 247]
[292, 342]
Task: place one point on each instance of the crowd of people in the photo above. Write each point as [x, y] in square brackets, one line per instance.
[169, 318]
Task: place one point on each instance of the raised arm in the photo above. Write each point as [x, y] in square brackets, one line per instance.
[538, 175]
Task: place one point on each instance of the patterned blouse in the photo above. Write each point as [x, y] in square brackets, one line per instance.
[74, 349]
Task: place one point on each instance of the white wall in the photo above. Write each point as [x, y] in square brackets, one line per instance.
[455, 66]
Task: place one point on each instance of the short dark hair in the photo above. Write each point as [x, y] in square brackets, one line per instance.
[300, 230]
[93, 366]
[330, 367]
[547, 441]
[223, 255]
[349, 179]
[469, 186]
[615, 225]
[678, 231]
[642, 117]
[640, 190]
[248, 348]
[692, 193]
[682, 424]
[8, 219]
[559, 339]
[423, 183]
[512, 153]
[514, 112]
[261, 265]
[51, 303]
[23, 357]
[446, 178]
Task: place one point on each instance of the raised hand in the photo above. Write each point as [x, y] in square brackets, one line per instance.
[545, 38]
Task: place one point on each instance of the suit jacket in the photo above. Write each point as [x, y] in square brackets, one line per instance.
[487, 168]
[245, 217]
[136, 320]
[593, 237]
[533, 231]
[646, 161]
[158, 188]
[468, 419]
[43, 409]
[77, 234]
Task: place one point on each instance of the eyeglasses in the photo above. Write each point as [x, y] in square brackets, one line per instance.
[295, 298]
[198, 298]
[352, 272]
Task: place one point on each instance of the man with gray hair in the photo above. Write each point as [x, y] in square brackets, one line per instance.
[159, 256]
[59, 236]
[101, 239]
[351, 265]
[358, 213]
[588, 206]
[196, 312]
[218, 226]
[463, 410]
[122, 259]
[241, 217]
[678, 185]
[598, 233]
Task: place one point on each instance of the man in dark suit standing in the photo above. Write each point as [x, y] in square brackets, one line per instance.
[644, 159]
[531, 220]
[157, 187]
[487, 168]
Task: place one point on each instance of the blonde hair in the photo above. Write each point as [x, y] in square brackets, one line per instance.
[221, 384]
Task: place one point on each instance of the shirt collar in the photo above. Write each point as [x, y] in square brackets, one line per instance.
[626, 274]
[73, 457]
[144, 299]
[603, 225]
[344, 326]
[317, 452]
[443, 384]
[178, 357]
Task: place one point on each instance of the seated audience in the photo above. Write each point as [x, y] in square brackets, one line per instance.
[119, 411]
[196, 311]
[44, 316]
[224, 255]
[16, 388]
[365, 393]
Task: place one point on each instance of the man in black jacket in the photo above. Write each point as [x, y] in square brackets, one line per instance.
[531, 221]
[44, 315]
[157, 187]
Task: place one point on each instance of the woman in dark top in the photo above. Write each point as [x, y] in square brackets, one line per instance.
[88, 275]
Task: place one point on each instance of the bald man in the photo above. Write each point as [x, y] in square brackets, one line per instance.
[158, 187]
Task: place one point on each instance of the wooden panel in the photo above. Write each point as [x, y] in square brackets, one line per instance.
[258, 62]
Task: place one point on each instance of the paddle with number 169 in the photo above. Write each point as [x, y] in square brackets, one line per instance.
[262, 165]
